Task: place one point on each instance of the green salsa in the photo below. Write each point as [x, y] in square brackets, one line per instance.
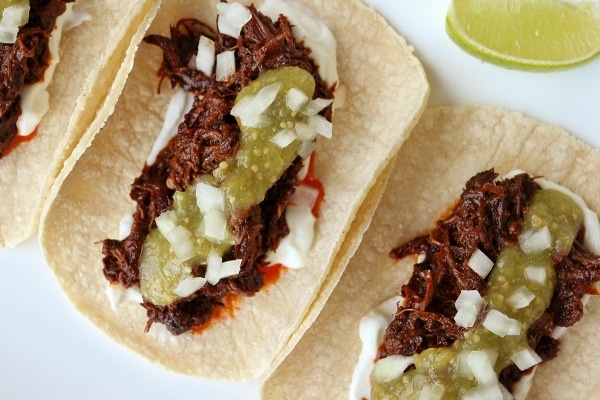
[244, 180]
[563, 218]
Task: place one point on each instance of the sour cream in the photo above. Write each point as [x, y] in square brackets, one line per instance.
[35, 99]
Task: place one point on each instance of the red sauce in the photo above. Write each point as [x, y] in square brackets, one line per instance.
[270, 272]
[17, 140]
[311, 180]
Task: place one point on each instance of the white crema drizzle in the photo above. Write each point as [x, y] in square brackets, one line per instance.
[35, 99]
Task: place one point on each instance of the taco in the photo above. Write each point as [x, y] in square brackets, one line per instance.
[464, 140]
[351, 166]
[56, 66]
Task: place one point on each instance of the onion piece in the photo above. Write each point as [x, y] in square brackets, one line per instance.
[250, 109]
[230, 268]
[480, 263]
[526, 359]
[500, 324]
[520, 298]
[533, 242]
[305, 149]
[189, 286]
[205, 58]
[432, 391]
[321, 125]
[305, 132]
[284, 138]
[13, 17]
[536, 274]
[225, 65]
[125, 225]
[209, 198]
[214, 264]
[316, 106]
[166, 222]
[181, 244]
[482, 367]
[468, 306]
[295, 99]
[391, 367]
[215, 225]
[232, 17]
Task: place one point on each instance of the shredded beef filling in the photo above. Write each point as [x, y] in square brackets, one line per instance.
[488, 216]
[24, 63]
[208, 136]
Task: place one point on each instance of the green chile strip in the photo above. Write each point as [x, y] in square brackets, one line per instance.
[245, 179]
[548, 208]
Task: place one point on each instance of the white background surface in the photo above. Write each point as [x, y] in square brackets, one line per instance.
[49, 351]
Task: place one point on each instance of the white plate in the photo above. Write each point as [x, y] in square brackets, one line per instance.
[49, 351]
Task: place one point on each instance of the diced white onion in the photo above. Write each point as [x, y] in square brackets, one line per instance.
[315, 106]
[305, 195]
[214, 264]
[480, 263]
[189, 286]
[482, 368]
[469, 297]
[466, 316]
[468, 305]
[12, 18]
[488, 392]
[536, 274]
[205, 58]
[520, 298]
[432, 391]
[526, 359]
[533, 242]
[284, 138]
[230, 268]
[8, 34]
[225, 65]
[321, 125]
[500, 324]
[15, 15]
[181, 102]
[232, 17]
[391, 367]
[181, 244]
[305, 132]
[215, 225]
[295, 99]
[305, 149]
[250, 108]
[166, 222]
[209, 198]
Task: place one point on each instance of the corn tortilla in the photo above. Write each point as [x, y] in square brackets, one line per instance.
[448, 146]
[95, 58]
[379, 112]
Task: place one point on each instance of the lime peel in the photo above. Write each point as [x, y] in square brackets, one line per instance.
[539, 35]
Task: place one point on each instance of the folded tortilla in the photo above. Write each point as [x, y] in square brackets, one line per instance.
[448, 146]
[95, 58]
[385, 93]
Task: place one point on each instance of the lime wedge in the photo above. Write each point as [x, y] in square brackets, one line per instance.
[527, 34]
